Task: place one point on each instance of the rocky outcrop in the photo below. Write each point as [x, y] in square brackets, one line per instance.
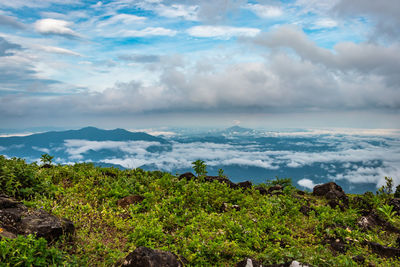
[333, 192]
[16, 219]
[373, 220]
[187, 176]
[129, 200]
[395, 202]
[147, 257]
[384, 251]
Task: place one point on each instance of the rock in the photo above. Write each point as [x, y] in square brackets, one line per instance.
[384, 251]
[245, 185]
[395, 202]
[306, 210]
[331, 191]
[16, 219]
[297, 264]
[338, 245]
[248, 262]
[359, 258]
[126, 201]
[187, 176]
[373, 220]
[46, 225]
[262, 190]
[147, 257]
[277, 187]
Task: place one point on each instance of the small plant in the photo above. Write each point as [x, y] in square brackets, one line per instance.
[387, 211]
[46, 159]
[199, 167]
[387, 188]
[221, 173]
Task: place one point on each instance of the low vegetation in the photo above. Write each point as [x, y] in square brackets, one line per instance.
[207, 223]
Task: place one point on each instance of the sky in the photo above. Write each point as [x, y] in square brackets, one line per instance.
[153, 63]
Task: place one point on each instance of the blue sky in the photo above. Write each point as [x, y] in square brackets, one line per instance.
[125, 63]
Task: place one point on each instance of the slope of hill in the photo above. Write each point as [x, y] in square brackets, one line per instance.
[206, 220]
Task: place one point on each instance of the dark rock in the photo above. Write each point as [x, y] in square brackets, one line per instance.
[373, 220]
[126, 201]
[46, 225]
[331, 191]
[6, 202]
[146, 257]
[338, 245]
[301, 193]
[245, 185]
[359, 258]
[248, 262]
[306, 210]
[187, 176]
[46, 166]
[16, 219]
[384, 251]
[262, 190]
[395, 202]
[275, 188]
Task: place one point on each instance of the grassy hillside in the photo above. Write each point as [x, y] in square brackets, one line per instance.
[208, 223]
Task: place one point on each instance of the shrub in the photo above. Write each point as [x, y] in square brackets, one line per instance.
[29, 251]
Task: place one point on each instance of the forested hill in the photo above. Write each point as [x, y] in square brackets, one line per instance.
[82, 215]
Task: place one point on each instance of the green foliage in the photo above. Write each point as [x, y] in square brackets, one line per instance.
[388, 212]
[208, 223]
[19, 179]
[221, 173]
[386, 189]
[46, 159]
[28, 251]
[199, 167]
[284, 182]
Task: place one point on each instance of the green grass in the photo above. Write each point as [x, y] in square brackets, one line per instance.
[185, 217]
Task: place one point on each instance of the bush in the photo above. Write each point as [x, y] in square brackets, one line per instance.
[28, 251]
[19, 179]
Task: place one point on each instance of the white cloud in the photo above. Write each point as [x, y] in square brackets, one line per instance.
[56, 27]
[126, 19]
[307, 183]
[222, 32]
[265, 11]
[325, 23]
[149, 31]
[178, 11]
[59, 50]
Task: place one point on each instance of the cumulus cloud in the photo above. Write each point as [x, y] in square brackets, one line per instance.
[384, 14]
[222, 32]
[307, 183]
[55, 27]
